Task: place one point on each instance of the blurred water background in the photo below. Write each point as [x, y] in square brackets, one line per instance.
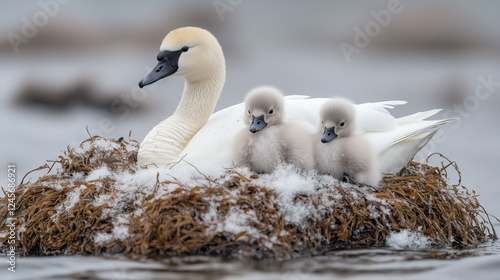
[78, 70]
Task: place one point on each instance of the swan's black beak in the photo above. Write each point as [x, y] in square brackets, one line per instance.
[258, 124]
[328, 135]
[167, 65]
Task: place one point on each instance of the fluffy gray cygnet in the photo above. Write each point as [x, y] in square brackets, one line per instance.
[339, 150]
[269, 139]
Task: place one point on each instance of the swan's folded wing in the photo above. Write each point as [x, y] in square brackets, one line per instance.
[304, 110]
[214, 141]
[374, 117]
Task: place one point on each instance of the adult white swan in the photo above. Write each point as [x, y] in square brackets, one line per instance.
[195, 135]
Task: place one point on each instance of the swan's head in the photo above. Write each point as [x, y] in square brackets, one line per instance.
[337, 119]
[191, 52]
[263, 107]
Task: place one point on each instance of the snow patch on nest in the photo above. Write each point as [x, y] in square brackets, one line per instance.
[407, 239]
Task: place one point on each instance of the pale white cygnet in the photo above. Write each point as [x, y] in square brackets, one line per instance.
[268, 138]
[339, 150]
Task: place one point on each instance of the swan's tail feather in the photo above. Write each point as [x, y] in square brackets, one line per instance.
[383, 105]
[420, 116]
[391, 104]
[421, 129]
[412, 137]
[296, 97]
[399, 154]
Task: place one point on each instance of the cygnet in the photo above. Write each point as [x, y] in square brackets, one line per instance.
[339, 150]
[269, 138]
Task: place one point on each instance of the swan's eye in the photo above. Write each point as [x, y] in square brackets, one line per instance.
[249, 112]
[271, 112]
[185, 49]
[342, 124]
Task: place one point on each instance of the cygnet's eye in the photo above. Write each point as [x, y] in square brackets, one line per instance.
[342, 124]
[185, 49]
[271, 112]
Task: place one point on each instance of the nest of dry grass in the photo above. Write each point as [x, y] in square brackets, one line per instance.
[74, 212]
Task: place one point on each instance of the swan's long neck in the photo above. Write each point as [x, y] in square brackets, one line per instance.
[198, 101]
[163, 145]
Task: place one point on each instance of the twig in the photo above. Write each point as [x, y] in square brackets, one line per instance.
[87, 129]
[452, 163]
[177, 162]
[36, 169]
[156, 185]
[52, 166]
[491, 224]
[201, 173]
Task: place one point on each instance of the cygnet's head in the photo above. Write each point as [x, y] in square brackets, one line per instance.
[337, 119]
[191, 52]
[263, 107]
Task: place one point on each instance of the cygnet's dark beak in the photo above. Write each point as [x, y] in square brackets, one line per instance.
[168, 63]
[258, 124]
[328, 135]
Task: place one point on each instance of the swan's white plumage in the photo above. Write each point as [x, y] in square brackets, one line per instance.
[192, 134]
